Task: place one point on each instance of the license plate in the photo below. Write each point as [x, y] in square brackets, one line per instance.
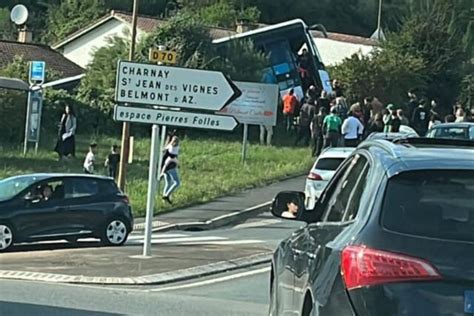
[469, 302]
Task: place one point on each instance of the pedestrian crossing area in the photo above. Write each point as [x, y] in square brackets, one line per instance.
[188, 239]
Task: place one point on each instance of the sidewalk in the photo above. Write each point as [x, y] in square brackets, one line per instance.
[225, 210]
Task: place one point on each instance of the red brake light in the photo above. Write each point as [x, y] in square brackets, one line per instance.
[362, 266]
[314, 176]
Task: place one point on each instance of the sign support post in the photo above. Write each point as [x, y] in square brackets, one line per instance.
[150, 201]
[27, 123]
[244, 142]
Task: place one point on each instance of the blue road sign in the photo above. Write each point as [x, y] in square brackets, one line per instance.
[37, 71]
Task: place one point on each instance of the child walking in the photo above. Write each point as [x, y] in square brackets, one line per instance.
[170, 168]
[89, 162]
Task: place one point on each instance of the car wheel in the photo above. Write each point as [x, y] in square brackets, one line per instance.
[115, 233]
[6, 237]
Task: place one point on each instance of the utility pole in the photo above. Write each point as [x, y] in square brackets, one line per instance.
[125, 146]
[379, 19]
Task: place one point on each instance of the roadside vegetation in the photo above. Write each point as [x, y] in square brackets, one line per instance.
[210, 168]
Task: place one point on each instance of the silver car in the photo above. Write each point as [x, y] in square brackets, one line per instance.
[322, 171]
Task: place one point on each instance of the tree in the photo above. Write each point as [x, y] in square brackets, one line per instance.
[380, 74]
[435, 32]
[224, 13]
[70, 16]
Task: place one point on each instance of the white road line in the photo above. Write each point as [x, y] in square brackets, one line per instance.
[178, 240]
[224, 242]
[154, 236]
[215, 280]
[261, 223]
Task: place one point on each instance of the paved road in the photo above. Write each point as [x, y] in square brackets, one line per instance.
[238, 293]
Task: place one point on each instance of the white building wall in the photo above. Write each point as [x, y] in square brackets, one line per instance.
[334, 52]
[81, 50]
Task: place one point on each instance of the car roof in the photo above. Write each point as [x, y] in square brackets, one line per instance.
[390, 135]
[337, 152]
[399, 157]
[45, 176]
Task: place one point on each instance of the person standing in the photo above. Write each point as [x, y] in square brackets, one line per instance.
[332, 129]
[290, 103]
[403, 119]
[317, 131]
[420, 119]
[352, 130]
[66, 143]
[307, 113]
[323, 102]
[112, 161]
[391, 120]
[169, 169]
[89, 162]
[460, 116]
[266, 134]
[376, 124]
[341, 107]
[412, 103]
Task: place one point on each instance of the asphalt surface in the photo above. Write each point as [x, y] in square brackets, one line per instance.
[241, 292]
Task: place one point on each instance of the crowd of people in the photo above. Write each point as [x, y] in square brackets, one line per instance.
[326, 120]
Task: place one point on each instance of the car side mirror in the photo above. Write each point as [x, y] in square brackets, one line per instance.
[289, 205]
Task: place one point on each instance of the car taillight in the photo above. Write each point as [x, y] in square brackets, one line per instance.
[314, 176]
[362, 266]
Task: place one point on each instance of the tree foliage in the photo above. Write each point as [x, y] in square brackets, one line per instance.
[381, 74]
[225, 13]
[70, 16]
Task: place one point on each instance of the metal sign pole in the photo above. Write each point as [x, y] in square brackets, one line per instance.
[40, 112]
[150, 201]
[27, 123]
[244, 142]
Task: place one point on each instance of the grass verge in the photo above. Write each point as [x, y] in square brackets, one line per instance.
[208, 168]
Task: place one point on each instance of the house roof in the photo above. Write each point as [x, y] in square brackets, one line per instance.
[145, 23]
[30, 51]
[346, 38]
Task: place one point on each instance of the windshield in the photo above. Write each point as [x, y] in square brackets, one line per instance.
[431, 203]
[12, 186]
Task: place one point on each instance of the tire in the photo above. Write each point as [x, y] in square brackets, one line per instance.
[6, 237]
[115, 232]
[273, 301]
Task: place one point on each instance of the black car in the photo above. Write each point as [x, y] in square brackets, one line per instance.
[452, 130]
[392, 234]
[62, 206]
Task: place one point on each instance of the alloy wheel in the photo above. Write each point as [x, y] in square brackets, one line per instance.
[6, 237]
[116, 232]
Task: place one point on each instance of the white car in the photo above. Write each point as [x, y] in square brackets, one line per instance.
[323, 170]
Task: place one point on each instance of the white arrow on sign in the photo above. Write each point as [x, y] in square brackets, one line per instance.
[174, 87]
[174, 118]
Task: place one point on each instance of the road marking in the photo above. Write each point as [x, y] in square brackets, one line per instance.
[224, 242]
[177, 240]
[215, 280]
[135, 237]
[265, 222]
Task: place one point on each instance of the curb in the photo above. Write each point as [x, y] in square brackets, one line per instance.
[153, 279]
[213, 223]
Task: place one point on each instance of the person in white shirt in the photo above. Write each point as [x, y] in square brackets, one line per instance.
[352, 130]
[89, 162]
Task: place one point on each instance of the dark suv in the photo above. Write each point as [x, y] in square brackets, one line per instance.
[62, 206]
[392, 234]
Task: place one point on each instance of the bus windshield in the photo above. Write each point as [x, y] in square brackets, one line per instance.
[294, 61]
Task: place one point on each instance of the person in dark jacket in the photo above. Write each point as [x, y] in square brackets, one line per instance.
[307, 113]
[376, 124]
[318, 132]
[323, 102]
[420, 119]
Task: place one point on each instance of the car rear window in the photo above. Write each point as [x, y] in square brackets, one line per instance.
[431, 203]
[452, 132]
[328, 163]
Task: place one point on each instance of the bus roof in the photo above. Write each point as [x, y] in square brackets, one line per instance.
[261, 30]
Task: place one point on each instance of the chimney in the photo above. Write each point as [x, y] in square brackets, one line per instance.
[25, 36]
[244, 26]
